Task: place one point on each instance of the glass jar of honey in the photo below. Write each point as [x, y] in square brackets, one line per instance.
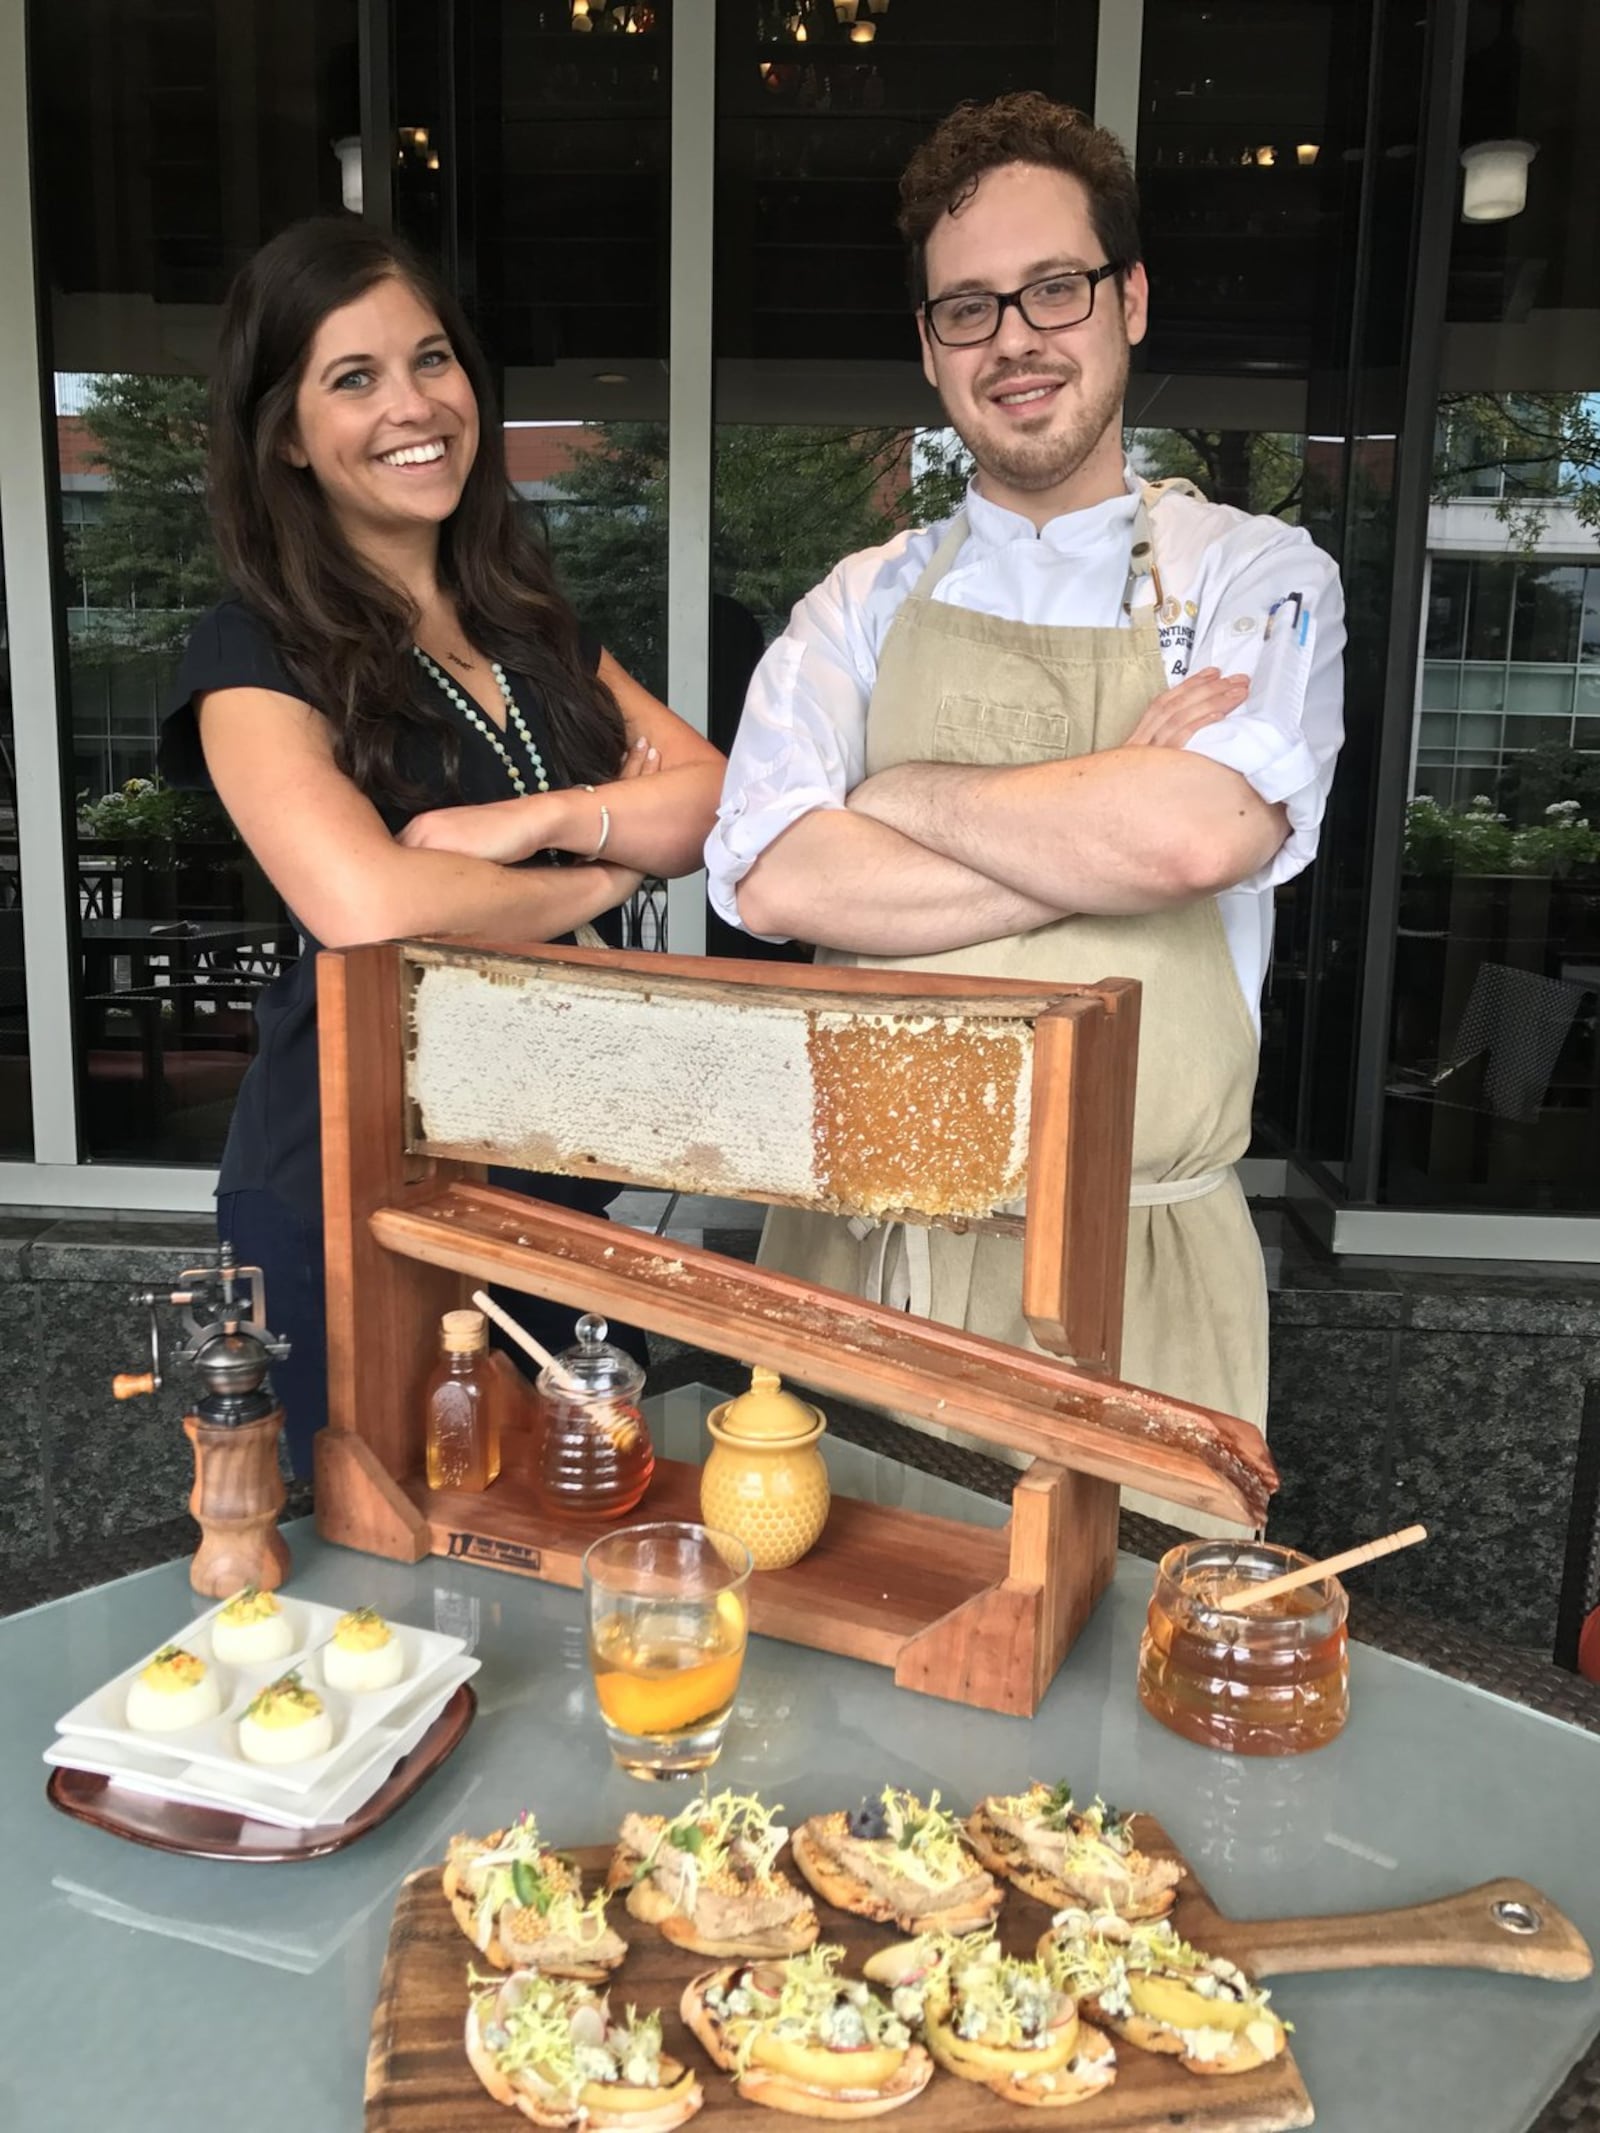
[595, 1458]
[1269, 1682]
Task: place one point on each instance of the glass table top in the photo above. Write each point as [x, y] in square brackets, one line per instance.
[186, 1994]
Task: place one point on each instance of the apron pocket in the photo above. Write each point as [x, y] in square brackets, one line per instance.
[970, 729]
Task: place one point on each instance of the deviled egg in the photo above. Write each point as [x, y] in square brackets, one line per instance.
[251, 1629]
[287, 1723]
[365, 1653]
[173, 1691]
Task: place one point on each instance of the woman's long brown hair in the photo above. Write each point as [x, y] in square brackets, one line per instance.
[343, 632]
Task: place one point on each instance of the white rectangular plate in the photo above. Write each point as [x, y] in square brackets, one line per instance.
[343, 1790]
[214, 1744]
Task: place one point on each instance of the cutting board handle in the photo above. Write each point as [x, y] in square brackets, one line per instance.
[1500, 1925]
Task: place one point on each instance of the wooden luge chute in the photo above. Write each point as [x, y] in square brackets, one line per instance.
[867, 1093]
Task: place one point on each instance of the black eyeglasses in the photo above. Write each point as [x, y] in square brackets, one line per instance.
[964, 320]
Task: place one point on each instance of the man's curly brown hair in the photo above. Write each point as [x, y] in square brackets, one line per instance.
[1024, 128]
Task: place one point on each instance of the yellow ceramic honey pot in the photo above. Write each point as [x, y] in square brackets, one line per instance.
[765, 1481]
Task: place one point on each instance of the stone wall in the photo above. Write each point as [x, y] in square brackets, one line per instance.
[76, 1465]
[1453, 1394]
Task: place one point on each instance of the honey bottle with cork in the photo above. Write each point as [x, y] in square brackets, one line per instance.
[459, 1407]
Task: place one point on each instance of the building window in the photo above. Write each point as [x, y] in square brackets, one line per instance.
[1493, 1093]
[211, 129]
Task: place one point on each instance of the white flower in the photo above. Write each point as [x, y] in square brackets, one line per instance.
[1562, 807]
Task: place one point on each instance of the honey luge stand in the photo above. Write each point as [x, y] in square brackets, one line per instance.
[859, 1092]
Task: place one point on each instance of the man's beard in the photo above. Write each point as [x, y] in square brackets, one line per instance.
[1032, 464]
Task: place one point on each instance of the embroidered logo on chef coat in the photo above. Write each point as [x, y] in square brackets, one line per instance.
[1175, 632]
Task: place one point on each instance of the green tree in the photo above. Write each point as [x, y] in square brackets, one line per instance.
[1526, 450]
[1535, 780]
[1254, 470]
[147, 558]
[791, 500]
[608, 535]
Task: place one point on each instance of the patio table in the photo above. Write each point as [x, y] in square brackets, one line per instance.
[154, 1992]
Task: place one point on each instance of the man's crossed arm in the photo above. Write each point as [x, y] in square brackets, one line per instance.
[930, 856]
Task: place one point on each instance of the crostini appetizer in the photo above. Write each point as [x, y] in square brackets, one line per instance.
[557, 2053]
[707, 1877]
[900, 1861]
[522, 1905]
[798, 2037]
[993, 2018]
[1070, 1856]
[1155, 1991]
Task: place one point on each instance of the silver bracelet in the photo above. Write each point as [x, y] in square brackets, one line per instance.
[605, 830]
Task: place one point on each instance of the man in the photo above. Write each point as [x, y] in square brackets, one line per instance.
[1079, 731]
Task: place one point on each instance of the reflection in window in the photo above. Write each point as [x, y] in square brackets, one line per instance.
[597, 491]
[179, 932]
[209, 130]
[1447, 608]
[1494, 1080]
[16, 1099]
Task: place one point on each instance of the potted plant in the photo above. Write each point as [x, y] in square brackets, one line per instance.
[163, 847]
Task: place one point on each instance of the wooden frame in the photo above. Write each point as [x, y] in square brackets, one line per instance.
[980, 1616]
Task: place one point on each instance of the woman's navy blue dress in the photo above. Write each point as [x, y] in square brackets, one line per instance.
[269, 1189]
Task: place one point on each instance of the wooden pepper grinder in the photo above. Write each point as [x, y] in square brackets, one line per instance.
[234, 1428]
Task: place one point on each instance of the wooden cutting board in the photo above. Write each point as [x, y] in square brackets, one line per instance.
[418, 2079]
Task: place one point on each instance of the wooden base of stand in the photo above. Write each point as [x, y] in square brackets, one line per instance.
[978, 1614]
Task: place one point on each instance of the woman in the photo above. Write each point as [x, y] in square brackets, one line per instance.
[398, 708]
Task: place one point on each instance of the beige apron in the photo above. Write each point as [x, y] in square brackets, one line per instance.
[958, 687]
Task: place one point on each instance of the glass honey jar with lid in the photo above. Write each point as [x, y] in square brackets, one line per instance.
[765, 1481]
[1273, 1680]
[595, 1458]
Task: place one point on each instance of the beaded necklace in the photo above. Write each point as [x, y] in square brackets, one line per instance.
[475, 718]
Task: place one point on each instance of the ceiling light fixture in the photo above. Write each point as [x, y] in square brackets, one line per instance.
[1496, 186]
[348, 149]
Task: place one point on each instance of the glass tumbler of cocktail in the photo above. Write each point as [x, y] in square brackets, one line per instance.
[667, 1627]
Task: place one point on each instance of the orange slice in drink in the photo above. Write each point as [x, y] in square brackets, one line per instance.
[672, 1702]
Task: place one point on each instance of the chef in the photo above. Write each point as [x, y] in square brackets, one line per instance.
[1079, 730]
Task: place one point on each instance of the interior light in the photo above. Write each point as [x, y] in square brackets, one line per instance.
[863, 32]
[348, 149]
[1496, 186]
[1306, 154]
